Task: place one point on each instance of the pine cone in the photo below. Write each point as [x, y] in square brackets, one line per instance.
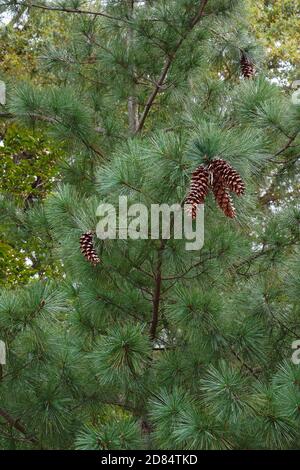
[87, 248]
[247, 66]
[198, 189]
[222, 198]
[229, 176]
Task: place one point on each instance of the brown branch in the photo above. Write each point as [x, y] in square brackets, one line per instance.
[285, 147]
[244, 364]
[70, 10]
[16, 371]
[15, 423]
[152, 97]
[264, 251]
[277, 320]
[167, 64]
[9, 436]
[107, 300]
[6, 115]
[200, 13]
[34, 116]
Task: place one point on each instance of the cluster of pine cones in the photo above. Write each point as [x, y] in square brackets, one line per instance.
[87, 248]
[219, 177]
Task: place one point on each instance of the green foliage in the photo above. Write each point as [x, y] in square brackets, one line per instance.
[29, 164]
[116, 435]
[156, 346]
[224, 392]
[121, 355]
[28, 158]
[275, 24]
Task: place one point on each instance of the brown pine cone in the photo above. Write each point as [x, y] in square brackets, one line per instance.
[198, 188]
[87, 248]
[230, 177]
[222, 198]
[247, 66]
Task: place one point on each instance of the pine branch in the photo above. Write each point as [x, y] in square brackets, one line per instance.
[16, 371]
[167, 64]
[157, 291]
[263, 252]
[181, 275]
[244, 364]
[52, 120]
[69, 10]
[7, 115]
[285, 147]
[200, 13]
[133, 106]
[277, 320]
[15, 423]
[137, 267]
[107, 300]
[152, 97]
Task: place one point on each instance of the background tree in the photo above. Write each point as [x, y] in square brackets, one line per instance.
[275, 24]
[156, 346]
[29, 160]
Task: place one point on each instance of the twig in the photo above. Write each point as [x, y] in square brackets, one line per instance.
[244, 364]
[71, 10]
[286, 146]
[167, 64]
[277, 320]
[15, 423]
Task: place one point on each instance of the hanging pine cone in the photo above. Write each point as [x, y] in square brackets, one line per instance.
[87, 248]
[219, 176]
[222, 198]
[229, 176]
[247, 66]
[198, 188]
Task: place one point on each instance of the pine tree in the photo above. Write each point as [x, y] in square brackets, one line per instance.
[156, 346]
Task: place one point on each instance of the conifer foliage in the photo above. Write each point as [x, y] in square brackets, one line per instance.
[156, 346]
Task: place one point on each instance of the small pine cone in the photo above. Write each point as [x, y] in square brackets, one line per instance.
[87, 248]
[198, 188]
[223, 199]
[230, 177]
[247, 66]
